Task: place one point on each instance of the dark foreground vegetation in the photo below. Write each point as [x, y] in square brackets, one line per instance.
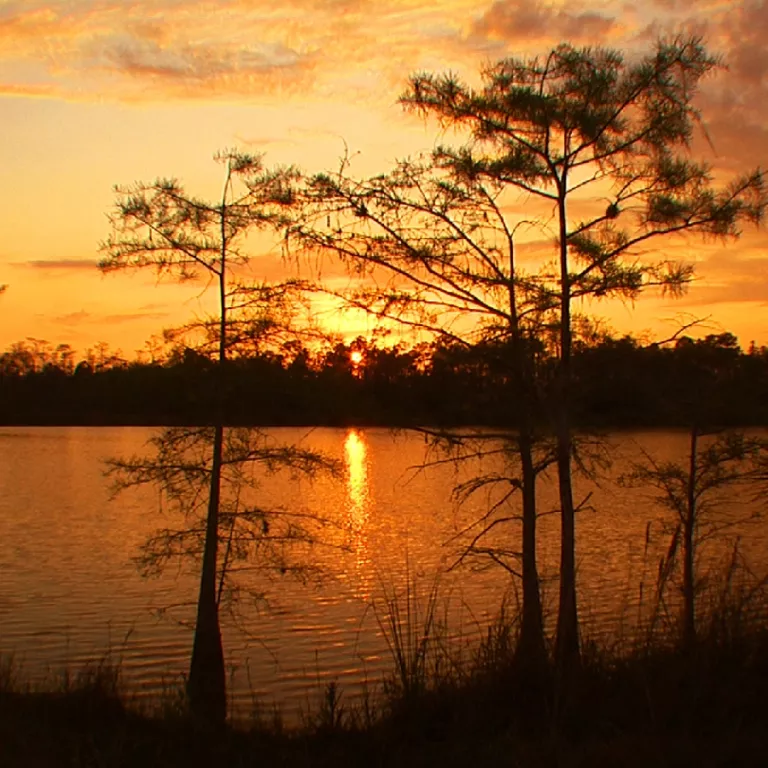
[618, 382]
[648, 704]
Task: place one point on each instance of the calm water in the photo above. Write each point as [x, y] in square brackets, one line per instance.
[70, 590]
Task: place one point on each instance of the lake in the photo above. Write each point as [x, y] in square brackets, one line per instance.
[71, 593]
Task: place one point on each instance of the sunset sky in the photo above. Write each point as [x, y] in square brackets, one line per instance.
[101, 92]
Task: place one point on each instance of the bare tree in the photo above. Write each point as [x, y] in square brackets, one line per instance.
[699, 492]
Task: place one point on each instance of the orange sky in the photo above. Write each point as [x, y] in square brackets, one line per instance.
[98, 92]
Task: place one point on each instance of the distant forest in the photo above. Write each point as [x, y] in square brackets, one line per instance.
[618, 382]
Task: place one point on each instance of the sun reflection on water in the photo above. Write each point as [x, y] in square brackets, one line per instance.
[358, 501]
[356, 453]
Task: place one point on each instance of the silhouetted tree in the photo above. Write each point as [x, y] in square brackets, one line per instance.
[162, 227]
[440, 249]
[581, 122]
[700, 494]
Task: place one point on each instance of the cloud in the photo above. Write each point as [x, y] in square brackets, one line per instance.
[686, 5]
[19, 22]
[74, 318]
[689, 26]
[513, 20]
[728, 278]
[179, 49]
[264, 141]
[734, 103]
[29, 90]
[66, 265]
[143, 57]
[738, 143]
[142, 64]
[129, 317]
[293, 136]
[746, 29]
[89, 318]
[127, 52]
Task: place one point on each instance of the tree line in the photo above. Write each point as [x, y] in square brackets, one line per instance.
[618, 382]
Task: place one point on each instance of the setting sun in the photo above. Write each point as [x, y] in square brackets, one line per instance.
[356, 357]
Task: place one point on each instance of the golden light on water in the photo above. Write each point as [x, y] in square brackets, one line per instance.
[356, 456]
[358, 505]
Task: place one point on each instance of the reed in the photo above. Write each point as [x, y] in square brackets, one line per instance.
[409, 623]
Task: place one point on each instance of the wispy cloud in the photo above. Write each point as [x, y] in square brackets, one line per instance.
[529, 20]
[728, 277]
[746, 29]
[93, 318]
[191, 50]
[146, 57]
[65, 265]
[128, 317]
[30, 90]
[174, 47]
[74, 318]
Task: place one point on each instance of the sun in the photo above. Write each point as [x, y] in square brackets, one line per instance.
[356, 357]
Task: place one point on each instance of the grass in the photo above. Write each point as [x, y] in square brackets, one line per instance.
[409, 624]
[649, 703]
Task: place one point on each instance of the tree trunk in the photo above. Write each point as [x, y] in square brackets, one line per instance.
[206, 687]
[531, 651]
[207, 684]
[689, 594]
[567, 653]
